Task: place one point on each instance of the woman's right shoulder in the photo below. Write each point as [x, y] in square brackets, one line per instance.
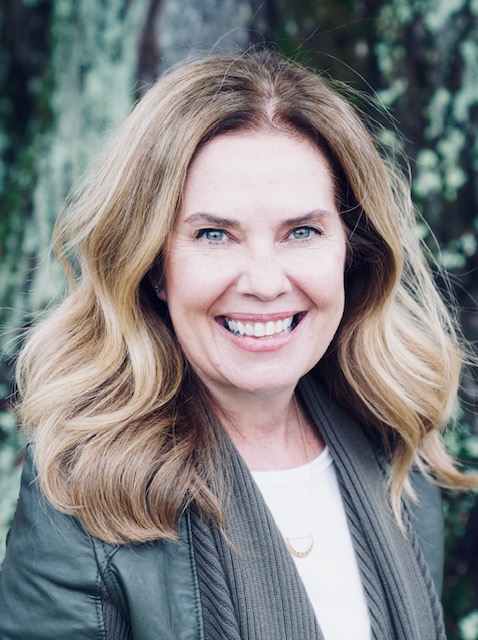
[51, 568]
[58, 581]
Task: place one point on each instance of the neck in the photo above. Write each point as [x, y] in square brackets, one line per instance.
[271, 432]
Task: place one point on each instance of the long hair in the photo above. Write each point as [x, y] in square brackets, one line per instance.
[125, 437]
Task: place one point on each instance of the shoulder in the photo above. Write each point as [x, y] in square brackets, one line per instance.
[425, 513]
[155, 585]
[58, 581]
[426, 517]
[49, 567]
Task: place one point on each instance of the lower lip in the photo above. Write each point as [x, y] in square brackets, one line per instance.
[265, 344]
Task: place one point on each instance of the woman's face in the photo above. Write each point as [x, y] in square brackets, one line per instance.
[253, 273]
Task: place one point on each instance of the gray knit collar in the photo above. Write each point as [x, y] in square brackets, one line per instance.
[250, 589]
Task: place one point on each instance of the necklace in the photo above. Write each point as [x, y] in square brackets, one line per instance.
[302, 553]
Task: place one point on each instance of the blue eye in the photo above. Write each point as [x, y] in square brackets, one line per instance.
[213, 235]
[304, 233]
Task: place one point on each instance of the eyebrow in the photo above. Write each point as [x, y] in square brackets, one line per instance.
[220, 221]
[212, 219]
[317, 214]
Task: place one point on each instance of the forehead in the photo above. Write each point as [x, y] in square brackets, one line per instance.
[250, 169]
[227, 145]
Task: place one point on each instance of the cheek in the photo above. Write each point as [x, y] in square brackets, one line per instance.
[329, 299]
[196, 284]
[325, 276]
[189, 298]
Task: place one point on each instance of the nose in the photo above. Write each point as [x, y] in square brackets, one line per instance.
[264, 273]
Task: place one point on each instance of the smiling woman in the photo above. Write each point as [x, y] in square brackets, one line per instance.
[244, 387]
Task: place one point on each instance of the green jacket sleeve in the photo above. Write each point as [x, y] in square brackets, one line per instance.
[59, 582]
[50, 587]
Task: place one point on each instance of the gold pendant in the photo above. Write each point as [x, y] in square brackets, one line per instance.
[300, 554]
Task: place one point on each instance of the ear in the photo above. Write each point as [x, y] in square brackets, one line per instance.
[161, 292]
[157, 282]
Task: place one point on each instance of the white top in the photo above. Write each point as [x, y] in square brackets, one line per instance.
[306, 501]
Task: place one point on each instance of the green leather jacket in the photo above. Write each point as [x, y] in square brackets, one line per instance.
[58, 582]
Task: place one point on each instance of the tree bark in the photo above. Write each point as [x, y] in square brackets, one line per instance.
[74, 70]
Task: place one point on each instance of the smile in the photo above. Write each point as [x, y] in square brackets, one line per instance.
[262, 329]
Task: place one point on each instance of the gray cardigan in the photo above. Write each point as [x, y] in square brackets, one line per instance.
[60, 582]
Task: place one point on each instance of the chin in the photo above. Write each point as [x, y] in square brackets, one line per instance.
[265, 390]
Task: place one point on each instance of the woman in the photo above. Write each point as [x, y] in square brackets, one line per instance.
[251, 366]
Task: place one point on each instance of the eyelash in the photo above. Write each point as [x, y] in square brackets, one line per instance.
[313, 230]
[202, 233]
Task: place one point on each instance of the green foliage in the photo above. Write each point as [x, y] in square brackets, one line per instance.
[460, 593]
[24, 117]
[428, 54]
[10, 468]
[430, 50]
[63, 85]
[469, 626]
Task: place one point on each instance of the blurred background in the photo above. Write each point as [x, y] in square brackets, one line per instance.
[70, 71]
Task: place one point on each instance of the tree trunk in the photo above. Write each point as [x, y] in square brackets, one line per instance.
[74, 70]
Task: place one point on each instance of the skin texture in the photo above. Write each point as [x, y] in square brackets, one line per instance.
[258, 239]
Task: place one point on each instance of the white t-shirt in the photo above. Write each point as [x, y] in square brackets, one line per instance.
[305, 502]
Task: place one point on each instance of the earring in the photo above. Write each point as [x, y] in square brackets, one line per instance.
[157, 288]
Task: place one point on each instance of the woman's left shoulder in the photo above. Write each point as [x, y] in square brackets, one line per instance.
[426, 517]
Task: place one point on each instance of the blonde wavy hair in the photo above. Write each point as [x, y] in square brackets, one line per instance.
[124, 435]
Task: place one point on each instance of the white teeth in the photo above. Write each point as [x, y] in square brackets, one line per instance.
[286, 323]
[260, 329]
[270, 328]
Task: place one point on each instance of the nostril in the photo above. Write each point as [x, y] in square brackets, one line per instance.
[265, 280]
